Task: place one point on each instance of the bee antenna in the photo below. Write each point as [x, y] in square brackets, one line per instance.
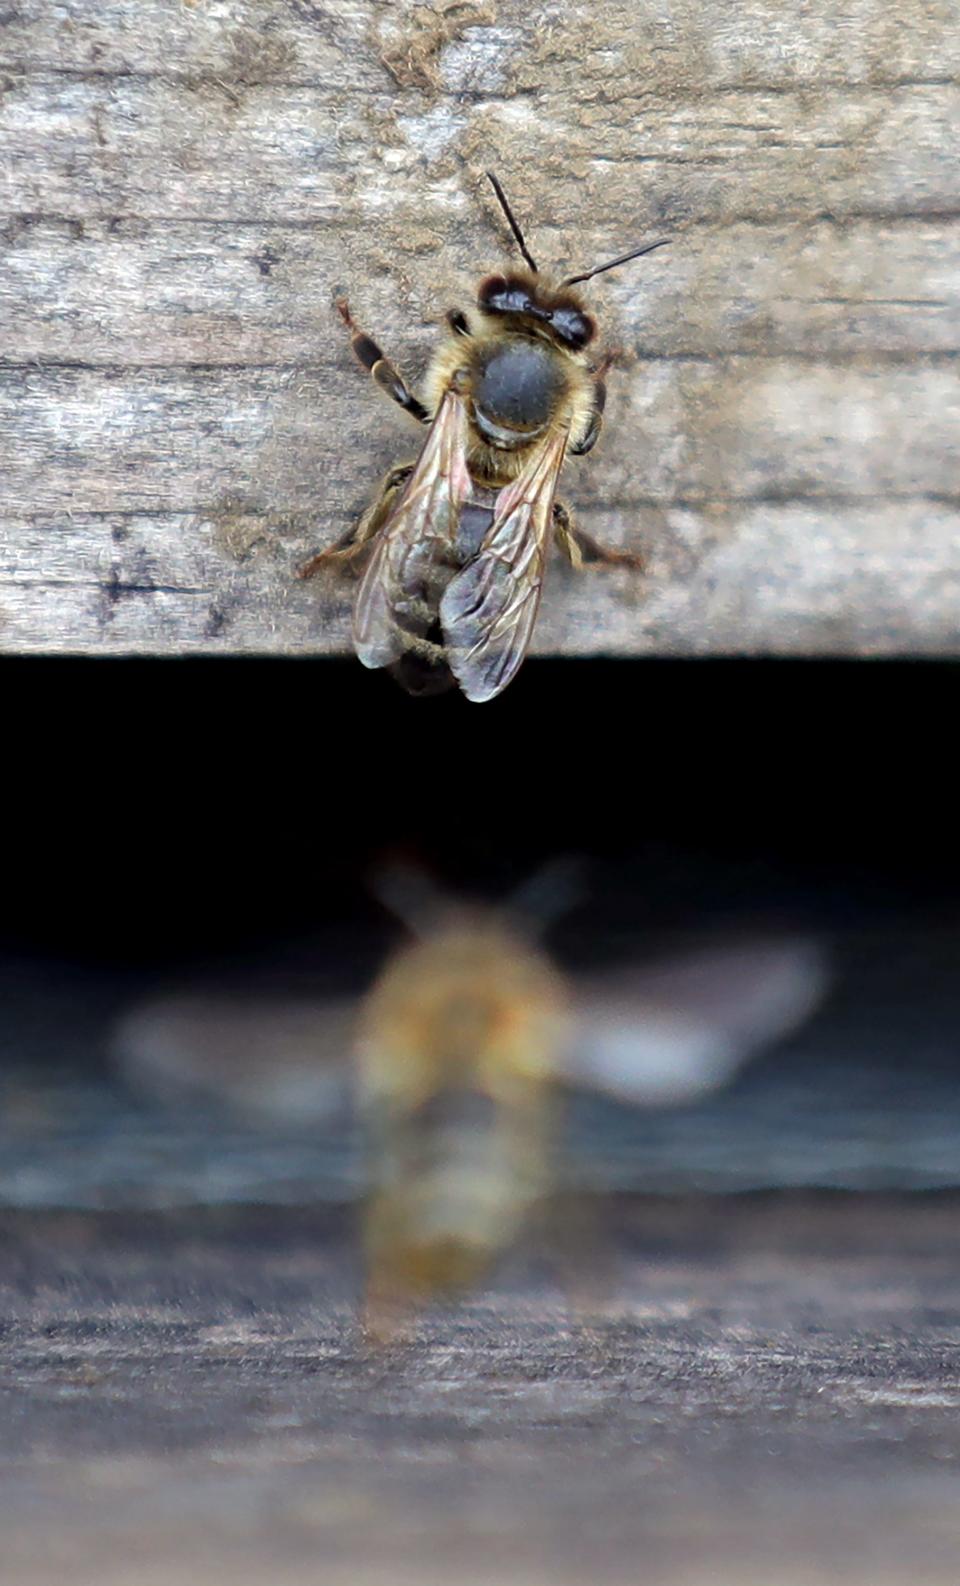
[573, 280]
[518, 234]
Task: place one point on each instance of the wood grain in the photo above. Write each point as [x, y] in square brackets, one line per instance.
[771, 1396]
[186, 187]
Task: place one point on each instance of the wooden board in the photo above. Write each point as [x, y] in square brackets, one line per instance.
[185, 188]
[770, 1395]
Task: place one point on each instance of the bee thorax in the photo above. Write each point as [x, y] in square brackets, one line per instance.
[518, 387]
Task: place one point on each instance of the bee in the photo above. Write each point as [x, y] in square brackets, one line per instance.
[457, 540]
[457, 1052]
[457, 1062]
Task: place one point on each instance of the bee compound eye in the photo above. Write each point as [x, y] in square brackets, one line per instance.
[500, 296]
[574, 327]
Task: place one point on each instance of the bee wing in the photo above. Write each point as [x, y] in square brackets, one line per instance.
[425, 517]
[285, 1058]
[670, 1031]
[488, 610]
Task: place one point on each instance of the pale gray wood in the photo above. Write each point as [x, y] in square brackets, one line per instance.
[719, 430]
[156, 147]
[688, 47]
[152, 293]
[185, 187]
[756, 579]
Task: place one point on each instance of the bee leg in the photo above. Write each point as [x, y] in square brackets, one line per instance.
[581, 548]
[382, 370]
[591, 434]
[588, 440]
[358, 536]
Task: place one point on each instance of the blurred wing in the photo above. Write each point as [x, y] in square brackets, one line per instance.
[287, 1059]
[667, 1032]
[422, 525]
[488, 610]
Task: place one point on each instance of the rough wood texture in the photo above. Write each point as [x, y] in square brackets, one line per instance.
[185, 187]
[772, 1397]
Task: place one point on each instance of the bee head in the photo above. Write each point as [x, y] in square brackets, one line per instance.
[518, 297]
[569, 324]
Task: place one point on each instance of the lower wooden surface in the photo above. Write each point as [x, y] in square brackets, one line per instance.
[770, 1396]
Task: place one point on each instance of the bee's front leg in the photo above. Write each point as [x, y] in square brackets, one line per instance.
[588, 440]
[581, 548]
[368, 525]
[382, 370]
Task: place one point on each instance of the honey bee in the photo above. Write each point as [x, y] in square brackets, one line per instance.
[457, 1052]
[457, 540]
[460, 1057]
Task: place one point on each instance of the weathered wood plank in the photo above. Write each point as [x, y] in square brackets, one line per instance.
[236, 41]
[158, 292]
[185, 187]
[312, 441]
[842, 578]
[148, 147]
[770, 1395]
[696, 45]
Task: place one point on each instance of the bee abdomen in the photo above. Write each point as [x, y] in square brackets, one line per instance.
[427, 571]
[452, 1192]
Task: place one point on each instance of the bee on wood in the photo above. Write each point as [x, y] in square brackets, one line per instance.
[457, 540]
[457, 1062]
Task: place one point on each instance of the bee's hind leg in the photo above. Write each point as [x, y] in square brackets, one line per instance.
[382, 370]
[581, 548]
[357, 538]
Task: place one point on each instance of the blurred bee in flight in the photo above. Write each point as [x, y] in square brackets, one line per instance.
[457, 1051]
[457, 540]
[458, 1058]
